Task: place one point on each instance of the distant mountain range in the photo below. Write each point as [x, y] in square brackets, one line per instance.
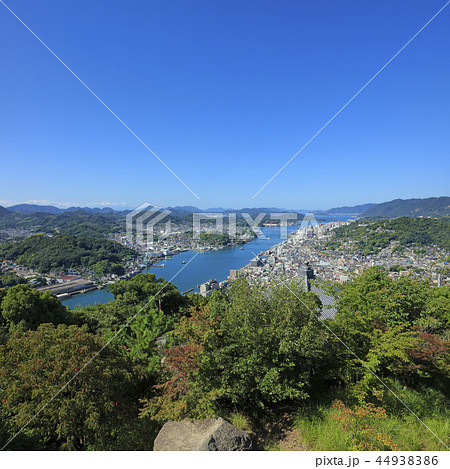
[32, 208]
[435, 207]
[430, 207]
[179, 211]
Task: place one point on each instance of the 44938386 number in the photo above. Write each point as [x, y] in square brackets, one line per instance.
[413, 460]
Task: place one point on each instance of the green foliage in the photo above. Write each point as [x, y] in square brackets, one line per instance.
[143, 310]
[252, 348]
[28, 308]
[398, 250]
[218, 239]
[144, 288]
[195, 299]
[97, 410]
[436, 316]
[139, 294]
[387, 355]
[322, 430]
[106, 267]
[240, 421]
[360, 423]
[423, 399]
[62, 252]
[373, 236]
[396, 268]
[184, 393]
[373, 296]
[10, 280]
[429, 207]
[76, 223]
[244, 354]
[382, 321]
[269, 342]
[140, 338]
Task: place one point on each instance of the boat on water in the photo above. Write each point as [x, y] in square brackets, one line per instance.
[241, 249]
[184, 262]
[63, 296]
[159, 265]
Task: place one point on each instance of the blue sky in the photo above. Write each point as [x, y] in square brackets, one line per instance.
[225, 93]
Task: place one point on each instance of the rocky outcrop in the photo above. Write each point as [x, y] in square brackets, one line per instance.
[202, 435]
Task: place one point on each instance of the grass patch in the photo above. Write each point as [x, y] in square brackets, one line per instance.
[240, 421]
[322, 431]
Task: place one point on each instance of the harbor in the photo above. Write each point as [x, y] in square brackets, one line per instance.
[187, 270]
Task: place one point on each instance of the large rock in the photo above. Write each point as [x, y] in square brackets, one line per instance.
[202, 435]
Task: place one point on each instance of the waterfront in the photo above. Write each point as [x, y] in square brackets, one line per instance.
[199, 269]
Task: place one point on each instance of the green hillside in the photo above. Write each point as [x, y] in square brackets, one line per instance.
[44, 253]
[77, 223]
[355, 210]
[376, 235]
[436, 207]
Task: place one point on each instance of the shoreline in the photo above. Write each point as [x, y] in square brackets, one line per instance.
[213, 263]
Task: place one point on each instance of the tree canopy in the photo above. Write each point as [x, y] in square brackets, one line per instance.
[97, 410]
[373, 236]
[251, 347]
[61, 252]
[27, 308]
[152, 355]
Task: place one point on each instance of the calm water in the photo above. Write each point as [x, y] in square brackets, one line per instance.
[202, 266]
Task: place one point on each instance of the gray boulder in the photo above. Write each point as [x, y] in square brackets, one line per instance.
[202, 435]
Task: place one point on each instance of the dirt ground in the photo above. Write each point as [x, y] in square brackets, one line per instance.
[292, 441]
[279, 433]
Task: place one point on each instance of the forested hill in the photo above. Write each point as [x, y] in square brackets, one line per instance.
[355, 210]
[436, 207]
[376, 235]
[60, 252]
[34, 208]
[77, 223]
[4, 212]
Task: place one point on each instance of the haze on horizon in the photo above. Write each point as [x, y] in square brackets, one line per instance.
[225, 95]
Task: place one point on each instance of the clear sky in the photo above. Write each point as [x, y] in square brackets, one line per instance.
[225, 93]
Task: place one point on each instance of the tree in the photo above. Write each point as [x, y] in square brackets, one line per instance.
[436, 316]
[133, 297]
[28, 307]
[140, 338]
[10, 280]
[43, 253]
[252, 347]
[360, 423]
[373, 296]
[219, 239]
[144, 288]
[97, 410]
[183, 392]
[381, 320]
[270, 343]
